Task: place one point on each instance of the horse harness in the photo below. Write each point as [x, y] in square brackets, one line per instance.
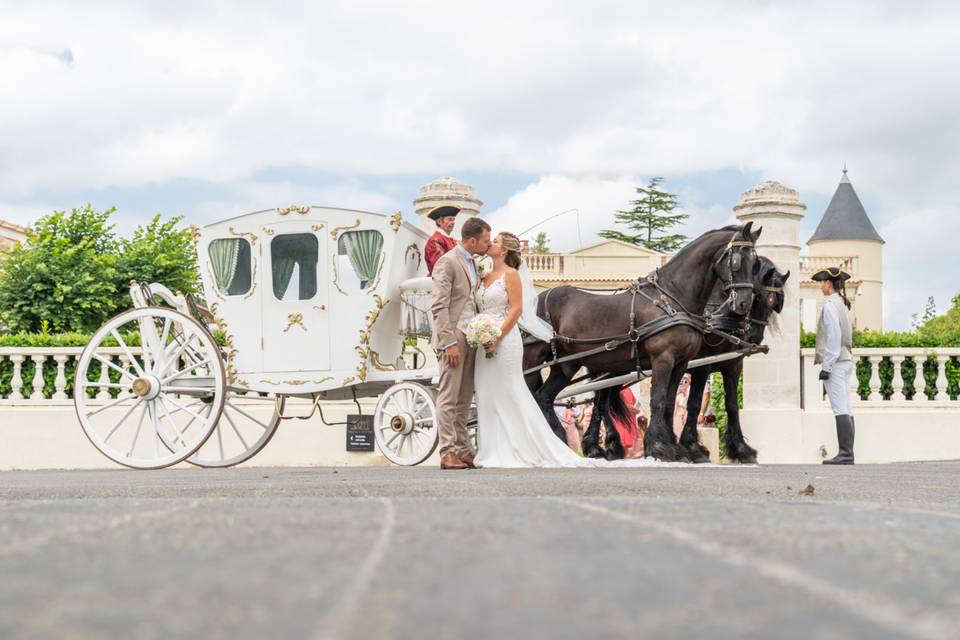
[666, 302]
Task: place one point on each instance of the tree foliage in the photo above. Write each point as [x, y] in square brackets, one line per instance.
[64, 273]
[650, 220]
[158, 252]
[541, 244]
[72, 272]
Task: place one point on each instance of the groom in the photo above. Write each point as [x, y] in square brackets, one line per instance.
[455, 281]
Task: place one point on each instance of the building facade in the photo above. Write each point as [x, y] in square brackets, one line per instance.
[11, 234]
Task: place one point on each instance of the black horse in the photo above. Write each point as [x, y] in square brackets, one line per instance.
[768, 299]
[675, 295]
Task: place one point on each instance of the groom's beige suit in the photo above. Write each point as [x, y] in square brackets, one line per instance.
[454, 285]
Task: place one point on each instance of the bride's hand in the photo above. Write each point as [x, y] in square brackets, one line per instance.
[491, 346]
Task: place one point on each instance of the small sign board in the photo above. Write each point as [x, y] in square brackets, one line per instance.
[359, 433]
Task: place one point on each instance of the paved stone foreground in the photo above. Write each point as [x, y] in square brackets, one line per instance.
[418, 553]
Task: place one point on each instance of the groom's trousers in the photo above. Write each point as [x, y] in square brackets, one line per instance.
[454, 398]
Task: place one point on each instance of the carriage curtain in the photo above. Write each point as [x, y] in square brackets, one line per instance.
[283, 264]
[223, 261]
[363, 249]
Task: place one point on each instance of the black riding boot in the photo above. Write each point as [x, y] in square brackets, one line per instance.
[845, 431]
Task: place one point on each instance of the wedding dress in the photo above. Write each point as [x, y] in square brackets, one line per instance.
[512, 431]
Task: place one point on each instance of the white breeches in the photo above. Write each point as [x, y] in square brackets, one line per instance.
[838, 388]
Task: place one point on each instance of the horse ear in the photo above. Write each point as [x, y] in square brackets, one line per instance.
[745, 232]
[785, 276]
[756, 234]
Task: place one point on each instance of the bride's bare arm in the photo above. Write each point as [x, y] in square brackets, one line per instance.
[515, 297]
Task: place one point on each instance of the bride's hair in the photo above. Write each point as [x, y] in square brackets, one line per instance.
[511, 245]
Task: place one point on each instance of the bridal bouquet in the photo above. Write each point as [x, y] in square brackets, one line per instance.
[480, 330]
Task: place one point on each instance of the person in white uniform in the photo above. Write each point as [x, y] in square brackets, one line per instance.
[834, 354]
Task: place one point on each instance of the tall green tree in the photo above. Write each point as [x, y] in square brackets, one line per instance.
[541, 244]
[63, 276]
[157, 252]
[650, 220]
[942, 326]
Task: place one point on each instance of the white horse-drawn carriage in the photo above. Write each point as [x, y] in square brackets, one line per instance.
[312, 303]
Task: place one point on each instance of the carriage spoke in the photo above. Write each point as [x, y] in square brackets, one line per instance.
[136, 433]
[111, 404]
[162, 346]
[220, 441]
[184, 372]
[104, 385]
[395, 436]
[107, 362]
[235, 430]
[173, 424]
[179, 389]
[173, 358]
[126, 350]
[180, 406]
[156, 432]
[123, 419]
[248, 416]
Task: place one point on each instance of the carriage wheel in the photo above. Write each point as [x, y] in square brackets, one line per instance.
[405, 423]
[245, 427]
[155, 419]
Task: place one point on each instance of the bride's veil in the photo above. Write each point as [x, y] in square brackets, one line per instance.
[529, 320]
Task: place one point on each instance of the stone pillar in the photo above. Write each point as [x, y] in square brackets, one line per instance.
[771, 383]
[446, 191]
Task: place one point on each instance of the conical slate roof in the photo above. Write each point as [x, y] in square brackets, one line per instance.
[845, 218]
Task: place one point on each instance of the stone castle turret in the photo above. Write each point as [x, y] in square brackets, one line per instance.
[446, 191]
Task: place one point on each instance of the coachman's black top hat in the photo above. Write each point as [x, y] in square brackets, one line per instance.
[443, 211]
[831, 273]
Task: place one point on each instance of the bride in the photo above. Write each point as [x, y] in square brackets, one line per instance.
[512, 430]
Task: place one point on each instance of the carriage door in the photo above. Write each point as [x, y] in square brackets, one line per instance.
[295, 312]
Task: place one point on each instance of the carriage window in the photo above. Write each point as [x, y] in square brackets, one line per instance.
[295, 266]
[358, 258]
[230, 265]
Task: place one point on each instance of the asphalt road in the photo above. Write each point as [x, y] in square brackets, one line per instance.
[874, 552]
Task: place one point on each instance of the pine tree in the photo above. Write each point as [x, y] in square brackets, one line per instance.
[650, 220]
[540, 245]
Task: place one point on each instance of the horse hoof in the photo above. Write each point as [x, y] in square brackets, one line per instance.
[743, 454]
[592, 451]
[616, 452]
[665, 452]
[699, 454]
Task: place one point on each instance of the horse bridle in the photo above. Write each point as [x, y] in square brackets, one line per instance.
[733, 264]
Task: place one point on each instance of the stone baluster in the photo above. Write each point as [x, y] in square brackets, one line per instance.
[875, 378]
[854, 382]
[16, 383]
[919, 382]
[897, 383]
[60, 382]
[942, 395]
[104, 392]
[38, 378]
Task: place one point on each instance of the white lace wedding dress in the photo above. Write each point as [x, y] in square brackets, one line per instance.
[512, 431]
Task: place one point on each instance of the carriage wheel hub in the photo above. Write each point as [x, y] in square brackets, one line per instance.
[402, 423]
[147, 387]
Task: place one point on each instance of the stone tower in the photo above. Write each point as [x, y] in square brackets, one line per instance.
[446, 191]
[846, 230]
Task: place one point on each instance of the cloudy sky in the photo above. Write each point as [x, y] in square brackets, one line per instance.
[208, 109]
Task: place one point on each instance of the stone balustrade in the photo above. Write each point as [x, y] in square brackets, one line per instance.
[899, 367]
[26, 366]
[541, 264]
[812, 264]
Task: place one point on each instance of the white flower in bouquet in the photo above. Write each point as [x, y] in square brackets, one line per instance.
[480, 330]
[484, 265]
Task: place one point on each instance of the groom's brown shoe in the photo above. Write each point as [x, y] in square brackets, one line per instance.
[451, 461]
[467, 459]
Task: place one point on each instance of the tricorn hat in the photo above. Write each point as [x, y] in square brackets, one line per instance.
[831, 273]
[443, 211]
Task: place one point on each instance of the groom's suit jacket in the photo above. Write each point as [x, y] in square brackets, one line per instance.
[453, 290]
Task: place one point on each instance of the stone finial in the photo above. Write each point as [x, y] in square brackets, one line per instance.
[446, 191]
